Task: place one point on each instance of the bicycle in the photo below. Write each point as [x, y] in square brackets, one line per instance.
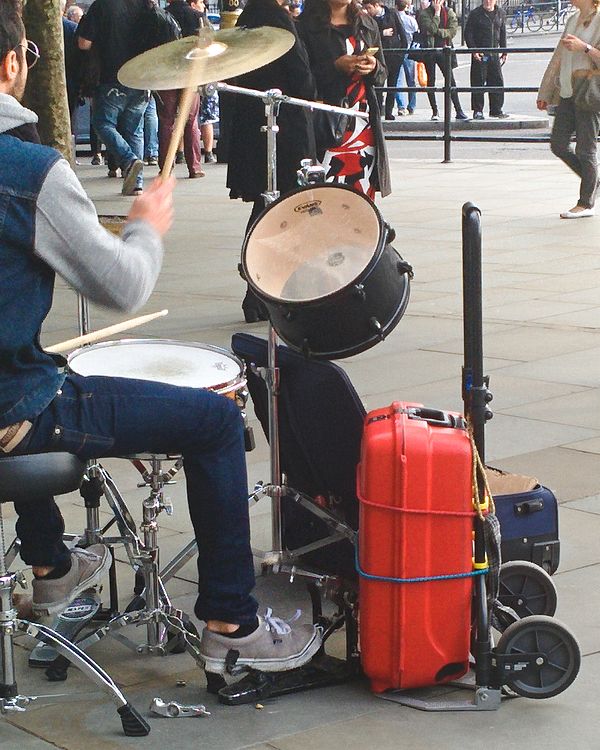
[521, 17]
[557, 19]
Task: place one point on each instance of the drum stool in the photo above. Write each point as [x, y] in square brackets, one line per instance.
[24, 478]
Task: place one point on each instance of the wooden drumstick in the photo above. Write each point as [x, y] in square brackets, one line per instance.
[102, 333]
[205, 36]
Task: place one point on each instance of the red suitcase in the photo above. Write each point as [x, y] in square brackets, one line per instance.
[416, 521]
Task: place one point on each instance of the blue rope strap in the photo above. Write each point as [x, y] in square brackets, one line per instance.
[422, 579]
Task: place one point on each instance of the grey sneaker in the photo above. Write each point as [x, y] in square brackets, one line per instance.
[273, 647]
[88, 566]
[131, 174]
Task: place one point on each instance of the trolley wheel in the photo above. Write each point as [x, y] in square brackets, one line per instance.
[527, 588]
[547, 636]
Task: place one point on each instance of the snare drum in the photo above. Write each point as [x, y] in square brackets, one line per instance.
[320, 261]
[163, 361]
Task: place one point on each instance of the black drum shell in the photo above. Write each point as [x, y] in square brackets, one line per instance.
[345, 323]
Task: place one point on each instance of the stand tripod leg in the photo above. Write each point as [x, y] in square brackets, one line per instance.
[133, 723]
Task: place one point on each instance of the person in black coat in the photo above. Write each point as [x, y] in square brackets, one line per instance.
[486, 27]
[393, 36]
[247, 160]
[338, 36]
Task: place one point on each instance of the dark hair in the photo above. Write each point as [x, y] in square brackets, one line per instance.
[401, 4]
[318, 12]
[12, 30]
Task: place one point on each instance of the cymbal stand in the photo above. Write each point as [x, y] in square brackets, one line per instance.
[277, 558]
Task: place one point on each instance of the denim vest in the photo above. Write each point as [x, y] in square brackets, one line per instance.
[29, 377]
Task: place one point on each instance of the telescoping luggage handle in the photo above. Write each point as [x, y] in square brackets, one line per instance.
[425, 414]
[435, 416]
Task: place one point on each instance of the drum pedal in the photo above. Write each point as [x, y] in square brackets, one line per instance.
[69, 624]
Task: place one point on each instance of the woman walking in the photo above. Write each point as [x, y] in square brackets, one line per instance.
[343, 45]
[569, 83]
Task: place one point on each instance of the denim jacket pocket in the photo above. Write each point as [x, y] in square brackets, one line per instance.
[82, 444]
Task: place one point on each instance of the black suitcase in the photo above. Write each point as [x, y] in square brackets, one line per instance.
[529, 527]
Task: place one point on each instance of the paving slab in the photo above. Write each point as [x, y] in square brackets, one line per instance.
[542, 345]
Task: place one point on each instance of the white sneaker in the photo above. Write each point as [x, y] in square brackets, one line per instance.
[578, 214]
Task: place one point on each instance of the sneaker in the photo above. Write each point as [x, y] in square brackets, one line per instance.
[478, 116]
[113, 173]
[193, 175]
[97, 160]
[435, 117]
[88, 566]
[402, 111]
[132, 173]
[462, 116]
[390, 117]
[152, 161]
[179, 157]
[209, 158]
[273, 647]
[499, 115]
[410, 111]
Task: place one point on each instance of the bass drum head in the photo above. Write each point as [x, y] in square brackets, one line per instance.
[177, 363]
[311, 244]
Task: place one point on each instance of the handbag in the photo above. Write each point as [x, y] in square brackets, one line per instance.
[586, 90]
[330, 127]
[421, 76]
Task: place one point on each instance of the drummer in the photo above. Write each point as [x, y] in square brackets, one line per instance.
[48, 225]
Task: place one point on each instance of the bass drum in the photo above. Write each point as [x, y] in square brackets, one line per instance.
[320, 261]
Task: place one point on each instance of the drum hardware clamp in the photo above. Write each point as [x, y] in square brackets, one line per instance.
[175, 710]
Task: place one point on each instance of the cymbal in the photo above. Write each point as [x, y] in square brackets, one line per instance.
[214, 56]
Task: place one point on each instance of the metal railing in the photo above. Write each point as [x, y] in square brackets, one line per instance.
[447, 136]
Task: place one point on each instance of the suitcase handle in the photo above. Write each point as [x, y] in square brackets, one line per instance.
[435, 416]
[528, 506]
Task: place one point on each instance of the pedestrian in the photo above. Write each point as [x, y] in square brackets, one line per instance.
[393, 37]
[189, 19]
[247, 159]
[570, 75]
[344, 48]
[74, 13]
[117, 111]
[151, 133]
[438, 25]
[406, 75]
[486, 27]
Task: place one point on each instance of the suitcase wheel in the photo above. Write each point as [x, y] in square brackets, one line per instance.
[527, 588]
[552, 640]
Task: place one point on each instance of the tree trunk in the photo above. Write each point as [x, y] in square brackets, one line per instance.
[46, 92]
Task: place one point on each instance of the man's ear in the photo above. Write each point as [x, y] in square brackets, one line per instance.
[9, 67]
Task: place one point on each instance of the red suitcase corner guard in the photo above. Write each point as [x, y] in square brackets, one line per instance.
[414, 484]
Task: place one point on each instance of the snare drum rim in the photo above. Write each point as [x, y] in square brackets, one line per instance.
[220, 388]
[381, 242]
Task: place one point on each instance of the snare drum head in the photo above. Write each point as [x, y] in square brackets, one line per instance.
[312, 243]
[162, 361]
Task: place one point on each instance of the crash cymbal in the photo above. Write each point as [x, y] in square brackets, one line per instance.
[215, 56]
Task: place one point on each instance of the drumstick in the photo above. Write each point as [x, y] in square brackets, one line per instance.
[102, 333]
[185, 103]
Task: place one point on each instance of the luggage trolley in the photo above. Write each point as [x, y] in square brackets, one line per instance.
[433, 577]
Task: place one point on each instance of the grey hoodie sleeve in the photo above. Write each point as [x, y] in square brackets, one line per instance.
[119, 273]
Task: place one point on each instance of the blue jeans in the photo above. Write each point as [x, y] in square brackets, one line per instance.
[118, 117]
[407, 73]
[151, 130]
[99, 416]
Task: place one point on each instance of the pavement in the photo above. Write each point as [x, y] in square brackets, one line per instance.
[542, 353]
